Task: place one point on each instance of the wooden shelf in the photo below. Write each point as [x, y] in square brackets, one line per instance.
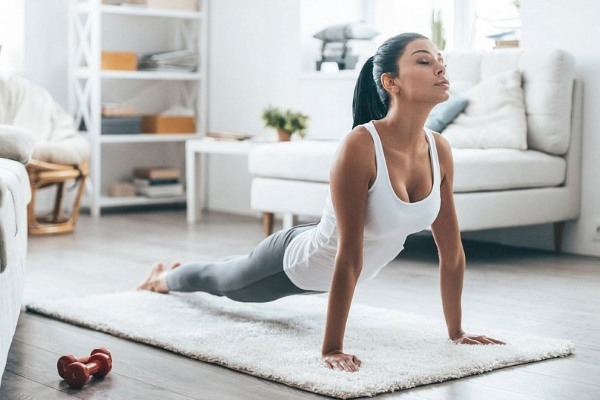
[97, 27]
[106, 201]
[141, 75]
[149, 12]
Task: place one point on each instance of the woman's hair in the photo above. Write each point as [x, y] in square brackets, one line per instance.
[371, 101]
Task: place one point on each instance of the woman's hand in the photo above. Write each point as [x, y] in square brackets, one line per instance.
[342, 362]
[465, 338]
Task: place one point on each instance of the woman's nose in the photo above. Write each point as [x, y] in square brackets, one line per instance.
[441, 70]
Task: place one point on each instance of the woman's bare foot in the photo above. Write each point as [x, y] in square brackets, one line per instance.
[175, 265]
[156, 281]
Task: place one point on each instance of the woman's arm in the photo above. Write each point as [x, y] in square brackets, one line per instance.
[451, 254]
[351, 173]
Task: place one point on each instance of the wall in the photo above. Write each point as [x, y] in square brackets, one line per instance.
[253, 63]
[46, 51]
[256, 62]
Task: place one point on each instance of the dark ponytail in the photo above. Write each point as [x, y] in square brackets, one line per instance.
[366, 104]
[371, 101]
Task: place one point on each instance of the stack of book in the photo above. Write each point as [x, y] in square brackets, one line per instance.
[158, 181]
[175, 61]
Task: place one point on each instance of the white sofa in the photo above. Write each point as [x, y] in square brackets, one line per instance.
[15, 194]
[494, 188]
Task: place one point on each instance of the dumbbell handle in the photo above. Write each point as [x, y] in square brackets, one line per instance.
[77, 374]
[64, 361]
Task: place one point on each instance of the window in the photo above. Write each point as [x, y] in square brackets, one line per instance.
[497, 24]
[392, 17]
[466, 24]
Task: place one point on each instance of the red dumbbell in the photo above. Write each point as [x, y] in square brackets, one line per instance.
[70, 358]
[77, 374]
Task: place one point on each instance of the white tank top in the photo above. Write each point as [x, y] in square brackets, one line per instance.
[309, 258]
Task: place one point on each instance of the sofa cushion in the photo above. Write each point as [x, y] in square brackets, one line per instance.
[307, 160]
[495, 116]
[547, 84]
[475, 169]
[71, 150]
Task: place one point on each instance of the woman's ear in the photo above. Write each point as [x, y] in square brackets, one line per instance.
[389, 83]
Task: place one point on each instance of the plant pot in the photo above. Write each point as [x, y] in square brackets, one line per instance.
[283, 136]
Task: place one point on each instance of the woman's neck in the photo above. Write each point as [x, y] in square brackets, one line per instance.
[403, 125]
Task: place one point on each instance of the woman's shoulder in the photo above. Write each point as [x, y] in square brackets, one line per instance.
[358, 141]
[441, 144]
[356, 150]
[444, 152]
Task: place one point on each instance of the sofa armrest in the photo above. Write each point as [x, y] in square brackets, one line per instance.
[15, 143]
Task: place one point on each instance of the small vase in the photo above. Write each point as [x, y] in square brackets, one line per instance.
[283, 136]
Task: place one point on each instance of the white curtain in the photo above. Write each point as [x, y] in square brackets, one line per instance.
[11, 36]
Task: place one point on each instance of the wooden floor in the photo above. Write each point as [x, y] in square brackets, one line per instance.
[529, 291]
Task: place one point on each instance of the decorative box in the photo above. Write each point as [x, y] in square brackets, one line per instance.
[168, 124]
[119, 60]
[121, 125]
[183, 5]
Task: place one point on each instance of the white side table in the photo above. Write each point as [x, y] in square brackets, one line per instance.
[196, 163]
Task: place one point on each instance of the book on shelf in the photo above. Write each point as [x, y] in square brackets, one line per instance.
[154, 173]
[141, 182]
[171, 190]
[175, 61]
[118, 110]
[228, 136]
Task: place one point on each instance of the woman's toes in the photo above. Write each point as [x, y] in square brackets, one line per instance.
[149, 283]
[175, 264]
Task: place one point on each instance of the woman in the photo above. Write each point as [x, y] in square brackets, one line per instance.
[391, 177]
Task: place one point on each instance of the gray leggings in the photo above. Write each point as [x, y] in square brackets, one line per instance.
[257, 277]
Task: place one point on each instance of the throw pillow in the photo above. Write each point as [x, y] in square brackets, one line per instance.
[444, 113]
[495, 116]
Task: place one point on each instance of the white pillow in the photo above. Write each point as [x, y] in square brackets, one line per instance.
[495, 116]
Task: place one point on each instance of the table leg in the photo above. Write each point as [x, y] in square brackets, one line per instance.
[190, 177]
[289, 220]
[202, 182]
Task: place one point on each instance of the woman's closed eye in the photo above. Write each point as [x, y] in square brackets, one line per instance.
[427, 62]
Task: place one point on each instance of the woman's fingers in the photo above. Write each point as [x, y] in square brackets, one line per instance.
[342, 362]
[477, 339]
[346, 366]
[467, 340]
[496, 341]
[483, 340]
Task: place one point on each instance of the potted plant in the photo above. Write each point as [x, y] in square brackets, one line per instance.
[286, 122]
[437, 29]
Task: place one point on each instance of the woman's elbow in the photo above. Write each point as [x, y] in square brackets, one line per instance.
[349, 268]
[454, 262]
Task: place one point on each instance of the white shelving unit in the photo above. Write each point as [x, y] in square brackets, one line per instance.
[95, 27]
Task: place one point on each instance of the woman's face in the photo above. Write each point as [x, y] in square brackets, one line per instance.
[422, 74]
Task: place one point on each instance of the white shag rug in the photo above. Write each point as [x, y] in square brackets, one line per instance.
[281, 341]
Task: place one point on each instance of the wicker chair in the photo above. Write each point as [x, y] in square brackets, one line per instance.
[60, 153]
